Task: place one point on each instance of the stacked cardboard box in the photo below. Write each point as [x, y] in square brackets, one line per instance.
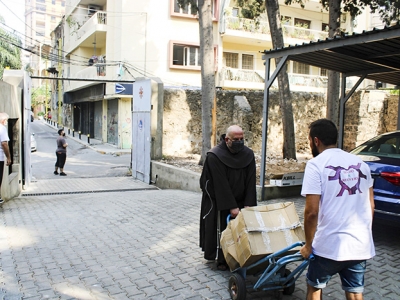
[259, 231]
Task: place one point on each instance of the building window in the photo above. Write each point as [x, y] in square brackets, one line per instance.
[53, 2]
[247, 62]
[285, 20]
[189, 11]
[53, 18]
[40, 1]
[301, 68]
[231, 60]
[323, 72]
[40, 7]
[63, 3]
[235, 12]
[302, 23]
[39, 33]
[325, 27]
[184, 55]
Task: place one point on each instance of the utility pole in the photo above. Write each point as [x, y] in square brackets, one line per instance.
[59, 121]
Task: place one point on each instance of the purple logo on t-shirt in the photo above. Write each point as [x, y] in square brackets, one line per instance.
[349, 179]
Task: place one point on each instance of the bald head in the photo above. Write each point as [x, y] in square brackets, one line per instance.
[234, 138]
[234, 130]
[3, 118]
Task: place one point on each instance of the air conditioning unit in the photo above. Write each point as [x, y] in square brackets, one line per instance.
[92, 9]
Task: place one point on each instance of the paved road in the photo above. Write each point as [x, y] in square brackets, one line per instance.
[82, 161]
[118, 238]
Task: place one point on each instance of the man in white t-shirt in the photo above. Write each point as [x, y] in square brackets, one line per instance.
[4, 150]
[338, 214]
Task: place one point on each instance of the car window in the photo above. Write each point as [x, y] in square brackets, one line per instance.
[384, 146]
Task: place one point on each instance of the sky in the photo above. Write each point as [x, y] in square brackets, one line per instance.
[13, 11]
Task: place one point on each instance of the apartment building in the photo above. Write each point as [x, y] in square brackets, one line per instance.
[114, 42]
[41, 17]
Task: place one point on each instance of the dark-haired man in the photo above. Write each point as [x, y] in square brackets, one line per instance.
[61, 153]
[228, 182]
[338, 214]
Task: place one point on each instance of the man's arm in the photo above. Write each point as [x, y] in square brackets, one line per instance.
[310, 222]
[371, 200]
[6, 150]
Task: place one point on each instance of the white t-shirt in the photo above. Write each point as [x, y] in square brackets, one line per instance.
[345, 217]
[3, 138]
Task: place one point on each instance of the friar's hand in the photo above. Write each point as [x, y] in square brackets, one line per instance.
[234, 212]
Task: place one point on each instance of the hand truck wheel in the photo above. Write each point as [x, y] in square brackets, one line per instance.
[290, 289]
[237, 287]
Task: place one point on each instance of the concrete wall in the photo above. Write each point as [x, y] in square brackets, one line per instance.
[10, 103]
[368, 113]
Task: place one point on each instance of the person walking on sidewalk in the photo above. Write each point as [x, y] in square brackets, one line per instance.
[228, 182]
[61, 153]
[4, 150]
[338, 214]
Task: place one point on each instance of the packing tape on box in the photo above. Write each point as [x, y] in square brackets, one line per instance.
[262, 228]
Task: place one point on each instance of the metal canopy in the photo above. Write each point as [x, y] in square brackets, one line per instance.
[374, 55]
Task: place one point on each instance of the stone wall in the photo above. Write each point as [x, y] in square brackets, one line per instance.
[182, 119]
[367, 114]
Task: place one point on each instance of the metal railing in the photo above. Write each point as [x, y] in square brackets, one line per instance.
[242, 24]
[99, 18]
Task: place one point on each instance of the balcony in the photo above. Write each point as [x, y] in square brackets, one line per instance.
[96, 71]
[84, 35]
[246, 28]
[253, 79]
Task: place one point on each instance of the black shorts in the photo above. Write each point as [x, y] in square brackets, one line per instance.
[61, 158]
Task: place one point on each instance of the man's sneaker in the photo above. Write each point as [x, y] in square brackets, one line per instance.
[63, 174]
[55, 173]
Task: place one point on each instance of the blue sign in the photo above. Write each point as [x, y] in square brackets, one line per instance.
[124, 88]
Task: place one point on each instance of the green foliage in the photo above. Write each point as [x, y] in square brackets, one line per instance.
[10, 50]
[38, 96]
[251, 9]
[193, 4]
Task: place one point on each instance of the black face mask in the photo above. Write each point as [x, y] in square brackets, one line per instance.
[237, 146]
[63, 134]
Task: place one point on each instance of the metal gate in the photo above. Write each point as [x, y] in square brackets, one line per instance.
[141, 135]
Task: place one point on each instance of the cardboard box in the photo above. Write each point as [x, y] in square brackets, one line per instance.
[262, 230]
[287, 179]
[229, 248]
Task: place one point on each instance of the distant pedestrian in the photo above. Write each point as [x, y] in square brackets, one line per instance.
[228, 182]
[338, 214]
[4, 150]
[61, 153]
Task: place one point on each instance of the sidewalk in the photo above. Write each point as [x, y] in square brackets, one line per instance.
[94, 144]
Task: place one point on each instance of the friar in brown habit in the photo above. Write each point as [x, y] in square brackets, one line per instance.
[228, 183]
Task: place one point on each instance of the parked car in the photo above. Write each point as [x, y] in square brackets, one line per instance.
[33, 143]
[382, 154]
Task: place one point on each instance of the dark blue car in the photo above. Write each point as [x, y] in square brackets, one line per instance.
[382, 154]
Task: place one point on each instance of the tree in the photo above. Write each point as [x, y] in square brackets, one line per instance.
[253, 9]
[10, 53]
[204, 9]
[388, 10]
[40, 96]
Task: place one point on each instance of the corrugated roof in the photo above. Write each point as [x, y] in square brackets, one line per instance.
[375, 53]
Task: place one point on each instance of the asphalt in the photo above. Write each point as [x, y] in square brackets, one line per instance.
[119, 238]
